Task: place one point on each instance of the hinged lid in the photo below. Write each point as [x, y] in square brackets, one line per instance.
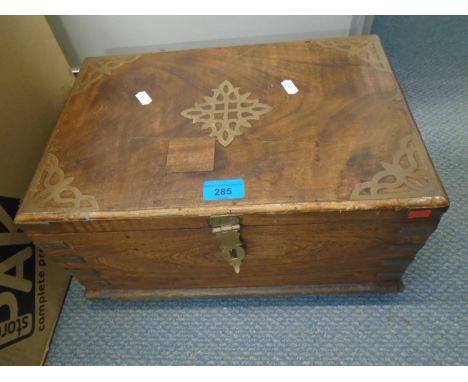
[308, 125]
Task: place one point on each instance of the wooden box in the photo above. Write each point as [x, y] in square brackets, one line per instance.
[275, 169]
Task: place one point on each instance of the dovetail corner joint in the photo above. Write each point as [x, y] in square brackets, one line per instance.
[53, 245]
[389, 276]
[363, 49]
[52, 191]
[406, 176]
[226, 112]
[79, 272]
[94, 283]
[97, 68]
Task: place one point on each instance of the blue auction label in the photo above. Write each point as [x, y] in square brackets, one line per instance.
[223, 189]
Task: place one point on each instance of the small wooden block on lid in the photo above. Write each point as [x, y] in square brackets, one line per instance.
[190, 155]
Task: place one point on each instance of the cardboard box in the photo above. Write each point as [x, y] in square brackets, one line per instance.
[34, 86]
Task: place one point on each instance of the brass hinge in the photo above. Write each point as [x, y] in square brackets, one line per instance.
[227, 231]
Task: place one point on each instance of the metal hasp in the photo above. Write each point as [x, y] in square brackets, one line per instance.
[227, 230]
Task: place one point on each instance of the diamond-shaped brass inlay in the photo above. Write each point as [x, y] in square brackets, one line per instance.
[226, 112]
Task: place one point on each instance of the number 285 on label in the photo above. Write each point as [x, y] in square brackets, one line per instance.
[223, 189]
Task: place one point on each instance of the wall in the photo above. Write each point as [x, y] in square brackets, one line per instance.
[83, 36]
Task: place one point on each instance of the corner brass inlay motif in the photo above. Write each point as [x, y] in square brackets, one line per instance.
[365, 50]
[53, 192]
[97, 68]
[226, 112]
[406, 175]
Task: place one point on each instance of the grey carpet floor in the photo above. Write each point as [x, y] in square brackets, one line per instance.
[426, 324]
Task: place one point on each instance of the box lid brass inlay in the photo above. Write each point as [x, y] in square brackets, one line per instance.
[52, 190]
[215, 113]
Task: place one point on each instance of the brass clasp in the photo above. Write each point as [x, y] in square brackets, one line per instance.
[227, 230]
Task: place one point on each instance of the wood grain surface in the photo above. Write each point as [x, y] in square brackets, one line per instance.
[340, 252]
[347, 136]
[340, 192]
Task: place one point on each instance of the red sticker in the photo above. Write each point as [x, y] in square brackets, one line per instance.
[419, 214]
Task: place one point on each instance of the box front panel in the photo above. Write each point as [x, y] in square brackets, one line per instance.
[327, 253]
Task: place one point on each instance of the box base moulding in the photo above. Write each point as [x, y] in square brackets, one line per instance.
[289, 290]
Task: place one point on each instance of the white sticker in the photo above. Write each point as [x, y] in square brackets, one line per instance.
[289, 86]
[143, 97]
